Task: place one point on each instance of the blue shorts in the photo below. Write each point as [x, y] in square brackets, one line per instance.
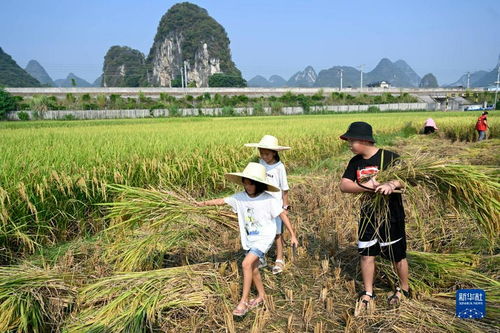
[279, 225]
[257, 252]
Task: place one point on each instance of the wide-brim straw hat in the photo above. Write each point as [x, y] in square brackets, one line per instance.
[268, 142]
[253, 171]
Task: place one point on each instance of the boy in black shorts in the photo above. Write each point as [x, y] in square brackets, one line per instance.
[385, 237]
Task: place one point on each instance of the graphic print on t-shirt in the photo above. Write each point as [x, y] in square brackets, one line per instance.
[252, 226]
[365, 174]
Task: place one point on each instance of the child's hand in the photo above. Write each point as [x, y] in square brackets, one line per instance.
[294, 241]
[373, 182]
[385, 189]
[200, 203]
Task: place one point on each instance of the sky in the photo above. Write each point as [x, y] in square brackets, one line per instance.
[443, 37]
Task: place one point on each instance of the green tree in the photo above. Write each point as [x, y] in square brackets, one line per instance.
[7, 103]
[224, 80]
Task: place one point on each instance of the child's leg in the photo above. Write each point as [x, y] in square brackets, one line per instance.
[368, 274]
[279, 247]
[257, 281]
[248, 266]
[402, 270]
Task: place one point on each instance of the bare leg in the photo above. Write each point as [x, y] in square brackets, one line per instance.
[248, 266]
[401, 268]
[279, 247]
[257, 281]
[368, 274]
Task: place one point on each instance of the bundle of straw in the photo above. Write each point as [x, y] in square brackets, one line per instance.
[441, 272]
[144, 249]
[142, 301]
[137, 206]
[33, 299]
[465, 188]
[148, 224]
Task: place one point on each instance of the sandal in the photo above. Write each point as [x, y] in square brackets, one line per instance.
[398, 299]
[241, 312]
[262, 263]
[253, 303]
[278, 266]
[363, 305]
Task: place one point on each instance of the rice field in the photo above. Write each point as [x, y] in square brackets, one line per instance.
[98, 230]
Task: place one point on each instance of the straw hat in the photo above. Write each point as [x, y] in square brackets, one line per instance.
[267, 142]
[253, 171]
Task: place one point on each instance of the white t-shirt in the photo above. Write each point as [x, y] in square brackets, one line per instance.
[256, 219]
[276, 175]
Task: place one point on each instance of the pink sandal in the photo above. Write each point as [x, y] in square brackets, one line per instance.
[253, 303]
[241, 312]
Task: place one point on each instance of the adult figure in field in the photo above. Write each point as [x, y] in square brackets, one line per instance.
[430, 126]
[482, 126]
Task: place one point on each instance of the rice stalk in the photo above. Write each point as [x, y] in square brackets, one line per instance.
[144, 249]
[33, 299]
[137, 206]
[466, 188]
[142, 301]
[433, 273]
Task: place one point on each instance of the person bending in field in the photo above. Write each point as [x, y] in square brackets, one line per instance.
[482, 126]
[256, 211]
[276, 174]
[377, 236]
[430, 126]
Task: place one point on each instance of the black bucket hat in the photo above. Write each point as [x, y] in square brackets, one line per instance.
[359, 130]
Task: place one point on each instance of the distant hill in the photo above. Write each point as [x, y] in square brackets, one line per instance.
[258, 82]
[413, 77]
[277, 81]
[187, 33]
[67, 82]
[305, 78]
[478, 79]
[428, 81]
[331, 77]
[398, 75]
[475, 80]
[38, 72]
[97, 82]
[124, 67]
[11, 75]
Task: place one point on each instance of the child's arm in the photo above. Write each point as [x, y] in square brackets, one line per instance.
[349, 186]
[285, 201]
[214, 202]
[288, 225]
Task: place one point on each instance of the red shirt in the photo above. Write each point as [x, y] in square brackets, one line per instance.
[481, 123]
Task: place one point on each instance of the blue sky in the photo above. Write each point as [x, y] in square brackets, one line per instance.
[447, 38]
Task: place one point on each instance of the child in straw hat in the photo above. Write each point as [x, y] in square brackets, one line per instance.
[377, 235]
[256, 211]
[276, 174]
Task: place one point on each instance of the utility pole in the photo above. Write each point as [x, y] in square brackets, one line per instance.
[498, 82]
[341, 77]
[468, 80]
[361, 80]
[182, 78]
[185, 73]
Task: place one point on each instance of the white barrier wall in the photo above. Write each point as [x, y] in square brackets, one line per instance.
[142, 113]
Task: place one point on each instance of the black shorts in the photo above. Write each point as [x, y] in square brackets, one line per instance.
[394, 252]
[429, 129]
